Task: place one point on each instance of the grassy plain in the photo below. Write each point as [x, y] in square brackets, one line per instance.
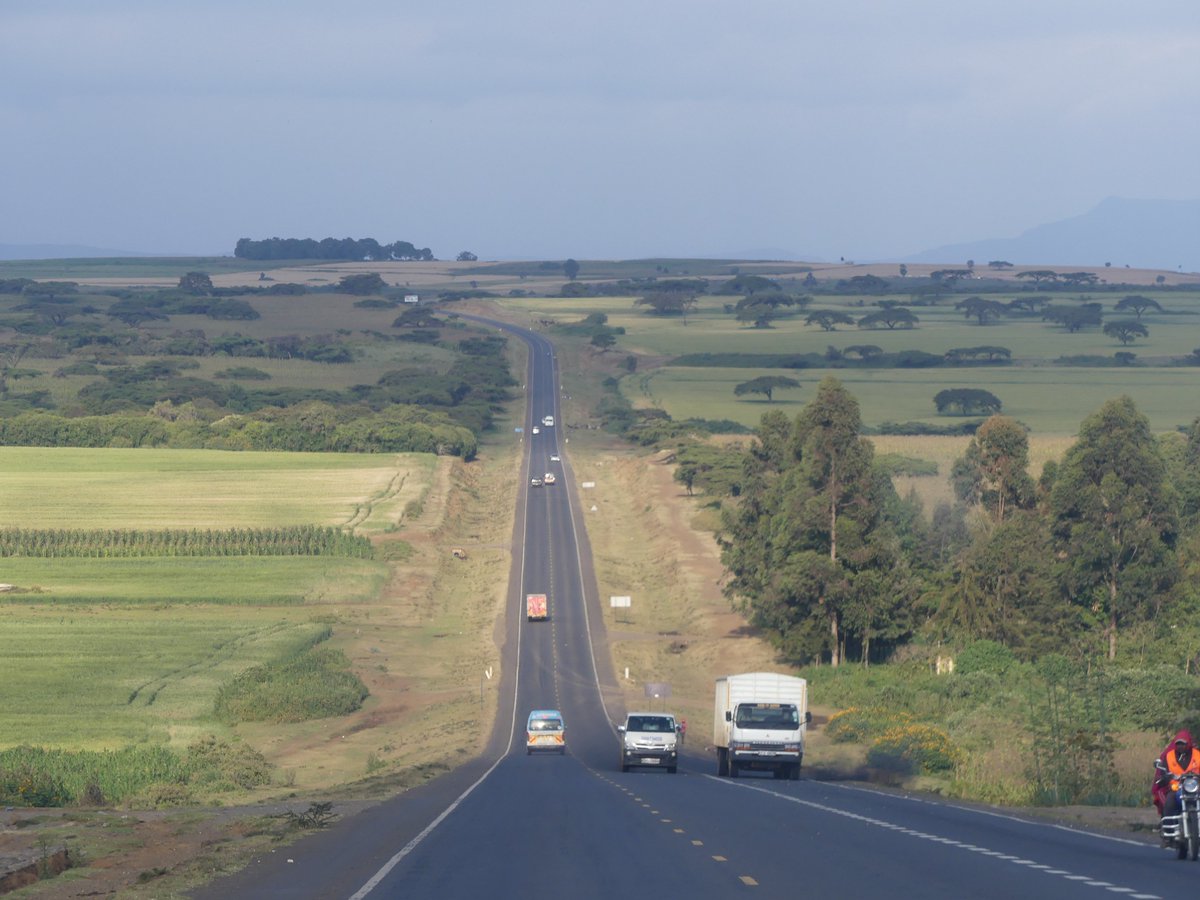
[1047, 400]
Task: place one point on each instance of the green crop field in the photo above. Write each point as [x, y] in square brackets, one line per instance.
[102, 678]
[161, 581]
[63, 487]
[106, 652]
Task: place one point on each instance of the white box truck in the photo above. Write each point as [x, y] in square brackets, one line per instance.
[759, 720]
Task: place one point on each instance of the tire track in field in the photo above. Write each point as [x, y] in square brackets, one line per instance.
[146, 693]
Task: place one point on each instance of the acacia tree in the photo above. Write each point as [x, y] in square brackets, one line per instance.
[967, 401]
[981, 310]
[669, 303]
[891, 318]
[1074, 318]
[766, 384]
[994, 471]
[1137, 304]
[1126, 332]
[1115, 519]
[828, 319]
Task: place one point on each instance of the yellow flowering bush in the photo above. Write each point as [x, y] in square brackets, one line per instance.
[921, 748]
[858, 724]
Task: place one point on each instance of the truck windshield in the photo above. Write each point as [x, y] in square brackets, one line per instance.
[767, 715]
[545, 725]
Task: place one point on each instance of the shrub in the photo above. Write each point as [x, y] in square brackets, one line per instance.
[25, 784]
[858, 725]
[925, 748]
[984, 656]
[216, 763]
[313, 684]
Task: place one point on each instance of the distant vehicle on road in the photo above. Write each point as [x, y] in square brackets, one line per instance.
[535, 482]
[536, 430]
[549, 478]
[548, 421]
[545, 731]
[555, 458]
[536, 609]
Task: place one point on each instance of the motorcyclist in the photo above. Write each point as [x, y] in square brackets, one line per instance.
[1180, 756]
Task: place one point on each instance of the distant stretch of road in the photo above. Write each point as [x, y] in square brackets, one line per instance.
[514, 825]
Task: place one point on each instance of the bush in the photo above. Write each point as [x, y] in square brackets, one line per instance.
[925, 748]
[857, 725]
[313, 684]
[984, 656]
[29, 785]
[217, 763]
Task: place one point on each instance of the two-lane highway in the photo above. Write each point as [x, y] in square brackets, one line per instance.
[518, 825]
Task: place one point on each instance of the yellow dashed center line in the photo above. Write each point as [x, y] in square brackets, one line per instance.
[719, 859]
[747, 880]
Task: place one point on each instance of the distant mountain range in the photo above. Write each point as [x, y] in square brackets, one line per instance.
[1144, 234]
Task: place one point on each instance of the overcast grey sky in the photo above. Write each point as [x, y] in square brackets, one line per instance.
[554, 128]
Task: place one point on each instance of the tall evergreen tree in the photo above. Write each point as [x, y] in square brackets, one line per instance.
[809, 523]
[994, 471]
[1114, 518]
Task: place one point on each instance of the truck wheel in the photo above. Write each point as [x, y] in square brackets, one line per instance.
[624, 768]
[670, 770]
[722, 763]
[794, 772]
[733, 769]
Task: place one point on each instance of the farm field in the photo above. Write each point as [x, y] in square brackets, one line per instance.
[65, 487]
[101, 678]
[100, 653]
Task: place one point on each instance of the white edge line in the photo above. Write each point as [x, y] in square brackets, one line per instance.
[412, 845]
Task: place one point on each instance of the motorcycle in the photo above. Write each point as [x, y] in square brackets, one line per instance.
[1182, 832]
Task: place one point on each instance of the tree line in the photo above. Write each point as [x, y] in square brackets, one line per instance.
[1091, 558]
[329, 248]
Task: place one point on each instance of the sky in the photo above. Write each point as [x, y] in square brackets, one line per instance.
[553, 128]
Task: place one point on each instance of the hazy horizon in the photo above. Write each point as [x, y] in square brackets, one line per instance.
[544, 130]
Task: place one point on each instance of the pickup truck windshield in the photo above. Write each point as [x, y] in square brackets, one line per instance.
[767, 715]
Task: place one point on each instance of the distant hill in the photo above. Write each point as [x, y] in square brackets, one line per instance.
[59, 251]
[1149, 234]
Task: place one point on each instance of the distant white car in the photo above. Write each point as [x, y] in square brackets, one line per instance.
[536, 430]
[535, 482]
[549, 478]
[555, 459]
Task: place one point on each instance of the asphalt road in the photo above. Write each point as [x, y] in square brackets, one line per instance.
[516, 825]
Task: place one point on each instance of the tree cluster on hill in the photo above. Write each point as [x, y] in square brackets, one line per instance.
[328, 248]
